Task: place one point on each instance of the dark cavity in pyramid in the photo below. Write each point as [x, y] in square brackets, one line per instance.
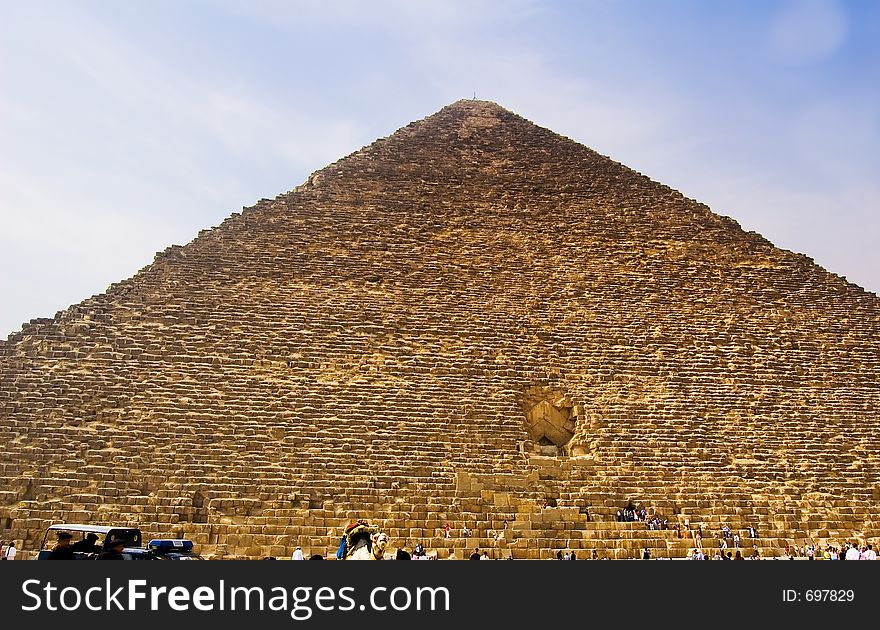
[457, 324]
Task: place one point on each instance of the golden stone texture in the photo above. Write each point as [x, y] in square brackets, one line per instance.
[378, 342]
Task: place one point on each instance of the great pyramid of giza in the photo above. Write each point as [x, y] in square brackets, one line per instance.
[474, 321]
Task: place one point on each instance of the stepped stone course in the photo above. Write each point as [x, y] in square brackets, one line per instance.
[458, 323]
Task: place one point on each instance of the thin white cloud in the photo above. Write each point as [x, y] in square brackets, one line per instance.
[808, 30]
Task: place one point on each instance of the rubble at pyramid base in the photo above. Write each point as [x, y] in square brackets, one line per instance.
[484, 512]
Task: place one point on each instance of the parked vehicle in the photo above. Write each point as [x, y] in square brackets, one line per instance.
[162, 549]
[88, 540]
[173, 549]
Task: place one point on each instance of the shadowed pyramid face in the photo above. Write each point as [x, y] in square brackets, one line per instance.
[400, 332]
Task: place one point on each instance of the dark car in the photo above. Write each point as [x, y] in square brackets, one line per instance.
[163, 549]
[87, 541]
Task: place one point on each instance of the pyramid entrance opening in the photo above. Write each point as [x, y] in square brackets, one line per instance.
[551, 420]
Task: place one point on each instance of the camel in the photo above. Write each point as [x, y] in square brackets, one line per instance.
[363, 541]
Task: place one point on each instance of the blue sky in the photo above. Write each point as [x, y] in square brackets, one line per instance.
[128, 126]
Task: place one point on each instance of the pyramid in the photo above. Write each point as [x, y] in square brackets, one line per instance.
[474, 321]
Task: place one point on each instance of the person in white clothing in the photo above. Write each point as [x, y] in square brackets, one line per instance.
[870, 554]
[10, 552]
[297, 554]
[852, 553]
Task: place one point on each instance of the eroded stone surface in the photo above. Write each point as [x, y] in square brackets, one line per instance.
[362, 346]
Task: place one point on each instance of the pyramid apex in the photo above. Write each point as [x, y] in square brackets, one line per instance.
[472, 104]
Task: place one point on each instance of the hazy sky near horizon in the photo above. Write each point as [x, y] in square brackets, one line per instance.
[126, 127]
